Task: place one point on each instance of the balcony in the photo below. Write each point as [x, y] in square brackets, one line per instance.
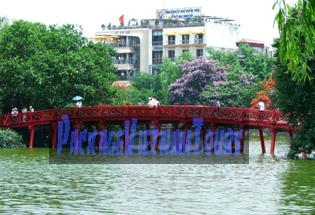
[157, 60]
[124, 49]
[170, 42]
[185, 42]
[157, 43]
[124, 64]
[120, 44]
[198, 41]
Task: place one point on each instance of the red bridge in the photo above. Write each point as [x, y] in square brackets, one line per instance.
[242, 118]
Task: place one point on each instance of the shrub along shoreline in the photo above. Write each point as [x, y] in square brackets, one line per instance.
[10, 139]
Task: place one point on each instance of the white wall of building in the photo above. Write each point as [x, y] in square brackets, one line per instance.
[222, 35]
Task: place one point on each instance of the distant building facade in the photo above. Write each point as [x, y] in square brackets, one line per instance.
[142, 46]
[258, 46]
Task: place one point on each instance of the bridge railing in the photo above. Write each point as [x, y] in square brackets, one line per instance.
[164, 112]
[41, 116]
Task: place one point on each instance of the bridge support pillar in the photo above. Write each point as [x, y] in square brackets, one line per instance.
[54, 135]
[32, 134]
[77, 125]
[101, 127]
[214, 128]
[262, 141]
[242, 140]
[203, 136]
[126, 135]
[147, 127]
[273, 140]
[186, 124]
[158, 136]
[176, 125]
[291, 134]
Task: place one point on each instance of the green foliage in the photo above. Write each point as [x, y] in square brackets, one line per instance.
[142, 88]
[4, 22]
[136, 96]
[157, 88]
[47, 66]
[143, 80]
[10, 139]
[169, 72]
[297, 100]
[246, 69]
[186, 56]
[291, 53]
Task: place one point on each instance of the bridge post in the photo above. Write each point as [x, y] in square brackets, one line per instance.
[76, 142]
[177, 140]
[126, 134]
[147, 127]
[186, 123]
[203, 133]
[54, 135]
[158, 136]
[242, 141]
[214, 128]
[32, 129]
[262, 141]
[291, 134]
[101, 127]
[273, 140]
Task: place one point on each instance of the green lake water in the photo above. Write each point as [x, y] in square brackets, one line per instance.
[267, 185]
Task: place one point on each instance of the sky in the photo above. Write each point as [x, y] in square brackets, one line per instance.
[255, 16]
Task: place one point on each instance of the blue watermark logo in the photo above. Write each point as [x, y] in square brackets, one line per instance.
[163, 142]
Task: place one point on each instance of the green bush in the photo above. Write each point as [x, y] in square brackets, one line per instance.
[10, 139]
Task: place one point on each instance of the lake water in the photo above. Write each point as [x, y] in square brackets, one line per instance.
[267, 185]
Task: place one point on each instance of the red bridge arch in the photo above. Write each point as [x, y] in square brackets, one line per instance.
[212, 116]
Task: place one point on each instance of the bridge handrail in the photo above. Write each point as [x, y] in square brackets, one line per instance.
[143, 112]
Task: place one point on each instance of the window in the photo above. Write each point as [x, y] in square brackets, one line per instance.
[171, 55]
[171, 40]
[157, 57]
[157, 37]
[198, 38]
[199, 52]
[185, 39]
[185, 50]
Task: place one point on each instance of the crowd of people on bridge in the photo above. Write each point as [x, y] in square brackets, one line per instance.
[15, 113]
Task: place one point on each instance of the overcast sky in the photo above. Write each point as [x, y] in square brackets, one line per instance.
[256, 16]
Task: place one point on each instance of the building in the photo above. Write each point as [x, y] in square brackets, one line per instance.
[143, 46]
[258, 46]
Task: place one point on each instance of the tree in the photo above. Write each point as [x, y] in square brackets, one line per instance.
[294, 89]
[46, 66]
[169, 72]
[245, 70]
[291, 53]
[142, 84]
[157, 88]
[296, 99]
[198, 75]
[4, 22]
[264, 95]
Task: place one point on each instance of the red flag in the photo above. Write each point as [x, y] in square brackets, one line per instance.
[121, 19]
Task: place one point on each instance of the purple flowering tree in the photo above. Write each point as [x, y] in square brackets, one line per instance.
[198, 76]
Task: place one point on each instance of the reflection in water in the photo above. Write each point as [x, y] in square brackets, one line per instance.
[267, 185]
[298, 195]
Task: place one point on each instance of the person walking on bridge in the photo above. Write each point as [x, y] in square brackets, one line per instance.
[261, 106]
[24, 111]
[217, 103]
